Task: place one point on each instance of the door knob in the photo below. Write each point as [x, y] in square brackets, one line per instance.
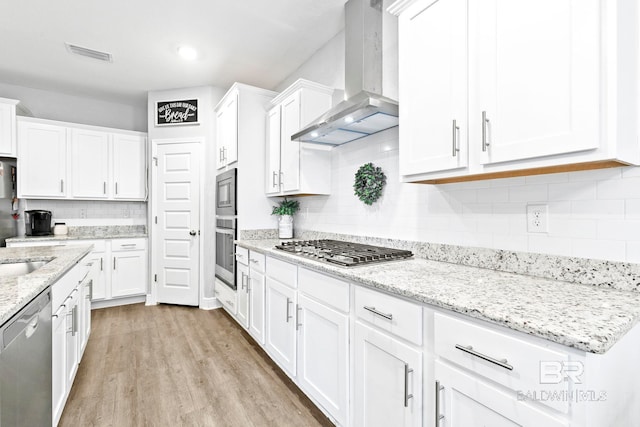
[192, 232]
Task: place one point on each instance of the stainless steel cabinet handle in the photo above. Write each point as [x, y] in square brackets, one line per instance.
[104, 187]
[485, 122]
[224, 154]
[288, 303]
[114, 263]
[388, 316]
[74, 321]
[90, 294]
[116, 188]
[70, 329]
[220, 155]
[502, 363]
[454, 138]
[229, 302]
[101, 259]
[128, 245]
[216, 292]
[242, 284]
[255, 261]
[275, 175]
[280, 180]
[248, 283]
[439, 417]
[298, 324]
[62, 185]
[407, 396]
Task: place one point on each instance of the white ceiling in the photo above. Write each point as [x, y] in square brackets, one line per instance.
[259, 42]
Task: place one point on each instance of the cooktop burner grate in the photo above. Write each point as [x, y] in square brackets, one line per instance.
[346, 254]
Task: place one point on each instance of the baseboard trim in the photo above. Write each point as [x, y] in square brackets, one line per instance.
[209, 303]
[118, 301]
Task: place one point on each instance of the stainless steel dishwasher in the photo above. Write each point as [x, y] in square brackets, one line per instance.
[25, 365]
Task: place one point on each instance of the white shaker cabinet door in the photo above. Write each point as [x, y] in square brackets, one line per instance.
[129, 273]
[290, 150]
[281, 324]
[433, 92]
[273, 150]
[42, 160]
[535, 78]
[323, 356]
[388, 381]
[89, 164]
[242, 280]
[466, 401]
[257, 306]
[129, 167]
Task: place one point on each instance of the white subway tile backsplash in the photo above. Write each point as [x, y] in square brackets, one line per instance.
[612, 229]
[528, 193]
[610, 250]
[551, 178]
[633, 251]
[493, 195]
[627, 188]
[631, 208]
[571, 227]
[550, 245]
[630, 171]
[572, 191]
[606, 209]
[510, 243]
[596, 175]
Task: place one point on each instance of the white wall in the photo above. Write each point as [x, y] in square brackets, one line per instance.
[207, 97]
[73, 212]
[51, 105]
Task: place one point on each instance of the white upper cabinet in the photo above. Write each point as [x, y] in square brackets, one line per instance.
[495, 88]
[65, 160]
[227, 130]
[42, 160]
[8, 127]
[90, 172]
[434, 134]
[129, 167]
[293, 167]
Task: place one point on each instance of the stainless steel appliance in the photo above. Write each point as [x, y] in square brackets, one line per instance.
[225, 251]
[226, 227]
[226, 193]
[37, 223]
[25, 365]
[345, 254]
[8, 225]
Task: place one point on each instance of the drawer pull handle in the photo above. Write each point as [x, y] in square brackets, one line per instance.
[407, 396]
[374, 311]
[502, 363]
[288, 303]
[255, 261]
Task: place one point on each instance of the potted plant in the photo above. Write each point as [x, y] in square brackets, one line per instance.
[286, 209]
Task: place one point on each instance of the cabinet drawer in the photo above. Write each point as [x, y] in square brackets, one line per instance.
[256, 261]
[282, 271]
[67, 283]
[390, 314]
[226, 296]
[511, 361]
[128, 244]
[242, 255]
[327, 289]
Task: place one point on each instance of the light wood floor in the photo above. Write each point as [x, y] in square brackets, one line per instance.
[177, 366]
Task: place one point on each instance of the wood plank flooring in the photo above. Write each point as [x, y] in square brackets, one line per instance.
[178, 366]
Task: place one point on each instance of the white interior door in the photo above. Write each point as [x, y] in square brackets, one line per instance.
[176, 244]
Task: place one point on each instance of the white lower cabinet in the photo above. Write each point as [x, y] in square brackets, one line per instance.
[242, 281]
[464, 400]
[129, 275]
[281, 324]
[68, 333]
[257, 305]
[388, 380]
[323, 356]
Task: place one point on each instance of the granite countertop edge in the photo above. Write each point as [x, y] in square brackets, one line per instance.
[17, 291]
[65, 237]
[557, 311]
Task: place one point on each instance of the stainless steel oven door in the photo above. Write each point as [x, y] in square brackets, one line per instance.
[226, 193]
[225, 256]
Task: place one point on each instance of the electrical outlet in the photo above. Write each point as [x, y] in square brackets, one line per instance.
[83, 213]
[125, 213]
[537, 218]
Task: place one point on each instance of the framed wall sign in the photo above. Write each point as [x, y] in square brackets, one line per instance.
[171, 113]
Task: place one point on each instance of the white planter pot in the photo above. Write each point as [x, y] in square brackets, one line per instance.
[285, 226]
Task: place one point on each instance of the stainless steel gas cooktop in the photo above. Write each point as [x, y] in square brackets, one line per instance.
[346, 254]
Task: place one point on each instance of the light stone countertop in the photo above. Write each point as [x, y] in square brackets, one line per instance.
[17, 291]
[88, 233]
[585, 317]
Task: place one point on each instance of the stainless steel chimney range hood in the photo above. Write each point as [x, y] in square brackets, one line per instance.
[365, 111]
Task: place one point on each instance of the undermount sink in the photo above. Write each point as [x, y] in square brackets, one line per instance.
[20, 268]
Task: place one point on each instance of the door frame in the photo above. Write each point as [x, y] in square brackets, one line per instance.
[152, 296]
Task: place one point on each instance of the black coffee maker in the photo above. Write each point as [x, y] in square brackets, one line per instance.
[37, 223]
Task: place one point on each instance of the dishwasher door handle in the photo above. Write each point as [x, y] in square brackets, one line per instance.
[26, 319]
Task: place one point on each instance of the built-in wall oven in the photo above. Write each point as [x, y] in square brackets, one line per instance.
[226, 225]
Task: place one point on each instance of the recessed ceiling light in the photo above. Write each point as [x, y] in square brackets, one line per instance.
[348, 119]
[314, 134]
[188, 53]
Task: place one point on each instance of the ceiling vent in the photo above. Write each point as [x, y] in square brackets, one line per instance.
[89, 53]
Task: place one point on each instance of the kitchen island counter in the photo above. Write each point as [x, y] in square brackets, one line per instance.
[17, 291]
[585, 317]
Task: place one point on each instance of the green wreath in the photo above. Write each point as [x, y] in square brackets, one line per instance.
[370, 181]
